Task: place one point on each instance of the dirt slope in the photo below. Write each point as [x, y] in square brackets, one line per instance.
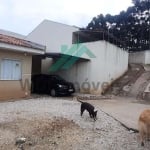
[135, 83]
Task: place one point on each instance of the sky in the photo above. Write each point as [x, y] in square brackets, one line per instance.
[22, 16]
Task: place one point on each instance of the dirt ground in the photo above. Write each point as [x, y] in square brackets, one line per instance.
[41, 134]
[56, 124]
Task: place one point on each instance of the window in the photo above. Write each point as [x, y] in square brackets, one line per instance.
[10, 69]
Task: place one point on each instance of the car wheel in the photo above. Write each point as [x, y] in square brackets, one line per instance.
[53, 92]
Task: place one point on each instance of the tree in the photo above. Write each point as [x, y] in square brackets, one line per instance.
[131, 26]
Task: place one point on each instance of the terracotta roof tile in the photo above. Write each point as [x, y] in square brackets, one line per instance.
[20, 42]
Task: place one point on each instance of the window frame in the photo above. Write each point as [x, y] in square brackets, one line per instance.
[10, 59]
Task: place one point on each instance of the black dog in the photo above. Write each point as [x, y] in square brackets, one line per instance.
[89, 108]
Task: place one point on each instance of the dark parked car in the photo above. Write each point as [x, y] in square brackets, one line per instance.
[51, 84]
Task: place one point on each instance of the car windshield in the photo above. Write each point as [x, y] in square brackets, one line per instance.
[58, 78]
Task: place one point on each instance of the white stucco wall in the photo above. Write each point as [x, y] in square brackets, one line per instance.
[110, 63]
[53, 35]
[140, 57]
[46, 63]
[137, 57]
[147, 57]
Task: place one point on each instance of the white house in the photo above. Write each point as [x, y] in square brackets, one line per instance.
[88, 65]
[53, 35]
[89, 75]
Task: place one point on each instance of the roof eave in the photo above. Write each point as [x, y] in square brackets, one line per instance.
[21, 49]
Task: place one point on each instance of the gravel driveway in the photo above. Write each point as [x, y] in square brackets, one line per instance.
[104, 134]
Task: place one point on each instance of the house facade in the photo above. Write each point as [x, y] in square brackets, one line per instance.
[89, 74]
[15, 66]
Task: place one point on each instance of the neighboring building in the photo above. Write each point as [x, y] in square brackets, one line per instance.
[15, 66]
[110, 62]
[53, 35]
[13, 34]
[141, 57]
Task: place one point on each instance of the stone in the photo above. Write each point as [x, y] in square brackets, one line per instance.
[20, 141]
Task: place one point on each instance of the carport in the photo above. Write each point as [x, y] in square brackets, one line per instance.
[43, 63]
[60, 64]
